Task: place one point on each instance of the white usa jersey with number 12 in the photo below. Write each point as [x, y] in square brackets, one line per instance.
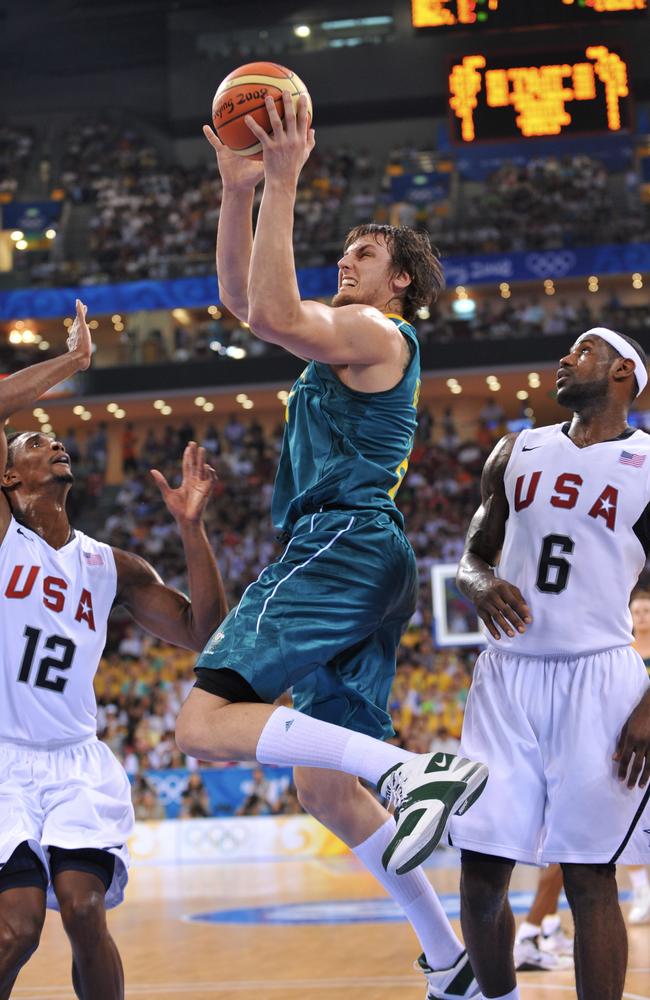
[577, 537]
[54, 612]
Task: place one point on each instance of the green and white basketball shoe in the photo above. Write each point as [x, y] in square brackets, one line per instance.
[426, 791]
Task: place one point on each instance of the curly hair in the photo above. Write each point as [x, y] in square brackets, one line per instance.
[410, 251]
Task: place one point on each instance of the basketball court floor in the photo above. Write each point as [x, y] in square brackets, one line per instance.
[317, 928]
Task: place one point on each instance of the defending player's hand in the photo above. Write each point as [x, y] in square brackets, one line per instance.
[236, 171]
[633, 747]
[500, 605]
[79, 341]
[286, 149]
[187, 502]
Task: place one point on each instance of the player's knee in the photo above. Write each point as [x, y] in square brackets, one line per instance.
[484, 884]
[200, 733]
[83, 916]
[191, 741]
[20, 934]
[585, 885]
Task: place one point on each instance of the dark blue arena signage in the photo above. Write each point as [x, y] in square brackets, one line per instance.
[320, 282]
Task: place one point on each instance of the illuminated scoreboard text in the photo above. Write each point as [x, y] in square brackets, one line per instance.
[468, 14]
[491, 99]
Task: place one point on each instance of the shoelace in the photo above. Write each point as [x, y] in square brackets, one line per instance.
[394, 792]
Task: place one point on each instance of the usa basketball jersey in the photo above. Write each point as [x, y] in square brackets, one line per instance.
[576, 540]
[53, 617]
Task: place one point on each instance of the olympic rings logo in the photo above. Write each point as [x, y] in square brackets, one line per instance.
[551, 264]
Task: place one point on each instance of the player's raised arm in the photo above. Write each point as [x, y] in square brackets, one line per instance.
[499, 604]
[351, 334]
[239, 176]
[159, 609]
[25, 387]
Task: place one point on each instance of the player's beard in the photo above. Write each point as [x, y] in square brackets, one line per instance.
[343, 298]
[63, 477]
[580, 395]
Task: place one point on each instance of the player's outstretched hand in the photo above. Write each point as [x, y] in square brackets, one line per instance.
[287, 147]
[501, 605]
[187, 502]
[79, 341]
[236, 171]
[633, 748]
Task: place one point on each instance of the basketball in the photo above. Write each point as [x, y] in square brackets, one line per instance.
[242, 93]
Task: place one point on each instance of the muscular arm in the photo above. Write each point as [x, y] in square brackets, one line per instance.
[239, 176]
[499, 604]
[348, 335]
[234, 246]
[165, 612]
[24, 388]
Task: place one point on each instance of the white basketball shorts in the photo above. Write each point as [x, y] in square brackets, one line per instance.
[547, 728]
[71, 797]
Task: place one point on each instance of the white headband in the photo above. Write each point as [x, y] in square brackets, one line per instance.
[624, 349]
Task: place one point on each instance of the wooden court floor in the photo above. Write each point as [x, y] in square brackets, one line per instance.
[169, 955]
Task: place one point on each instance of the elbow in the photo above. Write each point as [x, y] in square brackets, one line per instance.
[238, 307]
[270, 321]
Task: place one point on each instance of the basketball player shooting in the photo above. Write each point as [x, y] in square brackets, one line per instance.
[325, 620]
[560, 702]
[65, 801]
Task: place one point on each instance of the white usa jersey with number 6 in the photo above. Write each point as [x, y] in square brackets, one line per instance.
[577, 537]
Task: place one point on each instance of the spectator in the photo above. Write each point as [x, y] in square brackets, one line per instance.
[195, 799]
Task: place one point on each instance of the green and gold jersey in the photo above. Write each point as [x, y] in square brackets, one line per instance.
[344, 449]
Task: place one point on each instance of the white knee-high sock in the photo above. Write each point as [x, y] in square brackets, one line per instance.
[290, 738]
[415, 894]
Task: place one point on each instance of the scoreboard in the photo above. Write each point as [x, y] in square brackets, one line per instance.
[494, 14]
[513, 97]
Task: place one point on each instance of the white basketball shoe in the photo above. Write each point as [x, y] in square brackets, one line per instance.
[553, 939]
[426, 791]
[531, 957]
[452, 983]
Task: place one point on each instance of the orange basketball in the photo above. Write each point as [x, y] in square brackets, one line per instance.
[242, 93]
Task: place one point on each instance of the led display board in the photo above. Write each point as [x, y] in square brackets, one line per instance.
[464, 15]
[505, 97]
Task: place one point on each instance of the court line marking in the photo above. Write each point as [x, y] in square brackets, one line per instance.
[236, 986]
[561, 986]
[62, 992]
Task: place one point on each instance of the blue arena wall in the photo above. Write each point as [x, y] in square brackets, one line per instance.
[320, 282]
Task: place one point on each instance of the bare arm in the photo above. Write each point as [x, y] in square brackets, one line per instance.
[163, 611]
[239, 176]
[499, 604]
[348, 335]
[25, 387]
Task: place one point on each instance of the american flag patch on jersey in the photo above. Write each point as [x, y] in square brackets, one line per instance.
[93, 558]
[628, 458]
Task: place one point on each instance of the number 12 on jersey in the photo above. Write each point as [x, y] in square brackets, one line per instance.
[46, 663]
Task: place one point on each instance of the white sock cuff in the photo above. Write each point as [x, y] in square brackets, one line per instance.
[527, 930]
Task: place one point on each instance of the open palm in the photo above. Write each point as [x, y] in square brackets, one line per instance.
[234, 169]
[187, 502]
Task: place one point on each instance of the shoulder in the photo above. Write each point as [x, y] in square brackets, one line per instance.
[492, 479]
[503, 449]
[132, 570]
